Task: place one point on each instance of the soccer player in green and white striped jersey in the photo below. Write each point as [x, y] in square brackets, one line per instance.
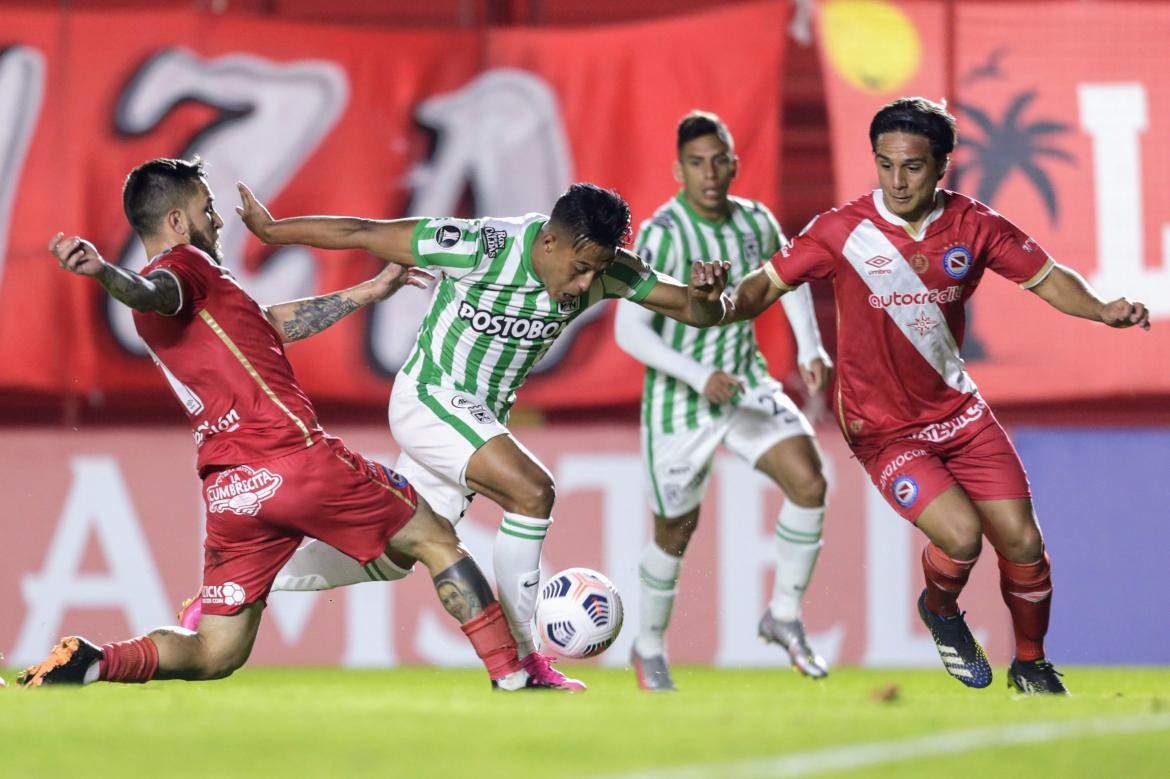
[508, 288]
[704, 387]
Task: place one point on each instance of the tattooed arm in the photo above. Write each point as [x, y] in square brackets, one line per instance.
[157, 292]
[299, 319]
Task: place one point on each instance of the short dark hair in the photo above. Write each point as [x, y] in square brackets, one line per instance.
[155, 187]
[591, 213]
[918, 116]
[699, 123]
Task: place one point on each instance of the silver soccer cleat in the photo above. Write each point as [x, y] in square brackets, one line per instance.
[653, 673]
[790, 635]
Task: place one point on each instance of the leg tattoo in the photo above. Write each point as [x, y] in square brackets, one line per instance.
[463, 590]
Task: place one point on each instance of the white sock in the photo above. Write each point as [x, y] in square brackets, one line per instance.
[318, 566]
[798, 539]
[658, 573]
[516, 560]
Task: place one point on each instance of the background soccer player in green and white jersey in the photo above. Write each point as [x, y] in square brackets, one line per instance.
[507, 289]
[704, 387]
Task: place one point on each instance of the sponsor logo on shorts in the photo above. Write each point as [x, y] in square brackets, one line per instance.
[242, 490]
[948, 295]
[493, 241]
[945, 431]
[477, 410]
[207, 428]
[957, 261]
[905, 491]
[508, 326]
[896, 463]
[448, 235]
[228, 593]
[680, 487]
[878, 266]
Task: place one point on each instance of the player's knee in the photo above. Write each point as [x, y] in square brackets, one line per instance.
[535, 496]
[221, 660]
[808, 489]
[1026, 546]
[673, 535]
[960, 542]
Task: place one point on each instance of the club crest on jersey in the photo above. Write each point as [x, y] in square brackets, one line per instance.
[918, 263]
[493, 241]
[878, 266]
[242, 490]
[957, 261]
[569, 306]
[905, 491]
[751, 249]
[477, 410]
[448, 235]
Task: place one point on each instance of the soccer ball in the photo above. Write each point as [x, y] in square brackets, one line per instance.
[579, 613]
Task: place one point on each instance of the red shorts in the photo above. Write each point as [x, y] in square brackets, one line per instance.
[910, 473]
[258, 514]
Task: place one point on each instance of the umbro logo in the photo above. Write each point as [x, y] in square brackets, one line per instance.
[878, 266]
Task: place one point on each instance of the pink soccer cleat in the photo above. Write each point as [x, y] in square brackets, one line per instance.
[191, 612]
[539, 668]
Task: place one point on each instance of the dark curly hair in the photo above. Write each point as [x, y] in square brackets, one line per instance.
[591, 213]
[918, 116]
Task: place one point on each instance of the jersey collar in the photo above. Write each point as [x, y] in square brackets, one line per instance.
[529, 238]
[885, 213]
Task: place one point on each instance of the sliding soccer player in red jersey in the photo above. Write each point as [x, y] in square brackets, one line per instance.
[903, 261]
[271, 475]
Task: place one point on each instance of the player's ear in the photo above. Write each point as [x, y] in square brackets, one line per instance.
[176, 221]
[676, 169]
[734, 165]
[943, 165]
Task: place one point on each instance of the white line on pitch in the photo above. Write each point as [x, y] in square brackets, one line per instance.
[854, 756]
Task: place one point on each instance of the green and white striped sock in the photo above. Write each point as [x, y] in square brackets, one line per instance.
[798, 541]
[516, 560]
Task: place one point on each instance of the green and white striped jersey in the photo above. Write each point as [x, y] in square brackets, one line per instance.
[491, 317]
[670, 241]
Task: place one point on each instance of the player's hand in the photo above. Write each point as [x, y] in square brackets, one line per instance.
[722, 387]
[394, 277]
[76, 255]
[816, 376]
[253, 213]
[1122, 313]
[708, 280]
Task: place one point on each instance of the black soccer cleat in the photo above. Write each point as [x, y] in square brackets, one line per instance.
[960, 653]
[1035, 677]
[66, 664]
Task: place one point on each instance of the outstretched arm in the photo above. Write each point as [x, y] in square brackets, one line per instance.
[299, 319]
[699, 303]
[1066, 290]
[752, 296]
[157, 292]
[387, 239]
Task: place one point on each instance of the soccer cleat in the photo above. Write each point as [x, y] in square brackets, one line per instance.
[1035, 677]
[191, 612]
[789, 634]
[66, 664]
[960, 653]
[517, 680]
[652, 672]
[544, 675]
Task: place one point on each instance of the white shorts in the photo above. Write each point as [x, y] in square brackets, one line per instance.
[438, 430]
[679, 464]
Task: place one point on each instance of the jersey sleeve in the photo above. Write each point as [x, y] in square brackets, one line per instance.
[1013, 254]
[806, 258]
[774, 239]
[628, 276]
[657, 246]
[453, 245]
[193, 271]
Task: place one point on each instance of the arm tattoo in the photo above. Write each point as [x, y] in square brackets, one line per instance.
[463, 590]
[308, 317]
[157, 292]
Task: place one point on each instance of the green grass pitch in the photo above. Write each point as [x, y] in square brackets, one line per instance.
[424, 722]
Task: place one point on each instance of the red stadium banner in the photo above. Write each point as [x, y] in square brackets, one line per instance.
[1064, 126]
[321, 119]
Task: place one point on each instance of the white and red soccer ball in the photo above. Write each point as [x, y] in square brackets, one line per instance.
[578, 613]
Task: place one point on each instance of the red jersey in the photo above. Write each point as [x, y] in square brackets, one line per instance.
[900, 309]
[226, 363]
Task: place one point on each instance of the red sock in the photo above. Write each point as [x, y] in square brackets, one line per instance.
[945, 579]
[132, 662]
[493, 641]
[1027, 591]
